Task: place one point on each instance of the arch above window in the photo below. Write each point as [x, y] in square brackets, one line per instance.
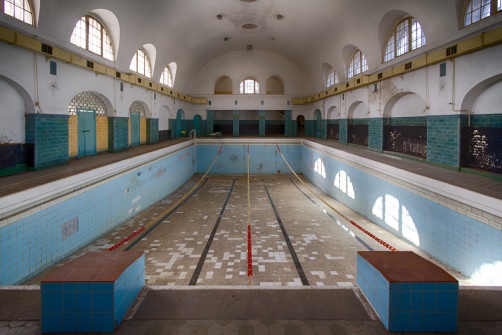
[223, 85]
[275, 85]
[19, 9]
[249, 85]
[91, 35]
[166, 77]
[405, 37]
[357, 64]
[140, 63]
[476, 10]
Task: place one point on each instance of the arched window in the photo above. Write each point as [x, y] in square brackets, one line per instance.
[249, 85]
[141, 64]
[91, 35]
[406, 36]
[20, 9]
[332, 78]
[357, 64]
[479, 9]
[166, 77]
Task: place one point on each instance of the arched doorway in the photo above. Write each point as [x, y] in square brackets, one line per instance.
[137, 123]
[87, 125]
[197, 124]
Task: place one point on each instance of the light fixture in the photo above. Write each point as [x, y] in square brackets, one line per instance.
[219, 16]
[279, 17]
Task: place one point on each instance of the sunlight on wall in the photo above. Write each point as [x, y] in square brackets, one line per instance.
[390, 209]
[488, 274]
[408, 227]
[392, 212]
[378, 208]
[343, 183]
[319, 168]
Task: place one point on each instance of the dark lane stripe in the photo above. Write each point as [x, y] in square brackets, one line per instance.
[331, 216]
[299, 268]
[164, 217]
[202, 259]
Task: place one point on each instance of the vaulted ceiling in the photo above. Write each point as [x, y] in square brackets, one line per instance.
[309, 33]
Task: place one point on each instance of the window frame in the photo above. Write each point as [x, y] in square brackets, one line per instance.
[255, 86]
[494, 8]
[24, 11]
[361, 62]
[409, 23]
[169, 82]
[145, 63]
[102, 32]
[331, 78]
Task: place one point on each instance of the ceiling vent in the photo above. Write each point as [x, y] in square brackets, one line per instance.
[249, 26]
[249, 47]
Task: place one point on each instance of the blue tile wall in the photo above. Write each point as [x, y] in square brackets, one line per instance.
[310, 128]
[35, 242]
[209, 122]
[324, 129]
[118, 133]
[375, 134]
[343, 130]
[152, 131]
[235, 123]
[443, 140]
[457, 240]
[49, 133]
[264, 159]
[287, 123]
[487, 120]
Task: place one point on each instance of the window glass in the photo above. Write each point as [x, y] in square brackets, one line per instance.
[477, 10]
[167, 78]
[20, 9]
[357, 64]
[141, 64]
[249, 86]
[407, 36]
[89, 34]
[332, 78]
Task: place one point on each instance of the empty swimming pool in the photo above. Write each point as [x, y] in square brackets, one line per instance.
[295, 239]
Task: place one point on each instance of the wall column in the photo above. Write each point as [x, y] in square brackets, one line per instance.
[236, 123]
[152, 131]
[375, 134]
[118, 133]
[49, 136]
[210, 122]
[261, 123]
[443, 140]
[343, 129]
[287, 123]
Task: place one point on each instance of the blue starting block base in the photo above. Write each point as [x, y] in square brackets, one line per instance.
[92, 293]
[408, 292]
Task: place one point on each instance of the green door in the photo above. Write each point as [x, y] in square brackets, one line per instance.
[197, 120]
[135, 129]
[86, 132]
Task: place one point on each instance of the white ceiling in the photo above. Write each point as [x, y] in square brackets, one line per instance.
[311, 32]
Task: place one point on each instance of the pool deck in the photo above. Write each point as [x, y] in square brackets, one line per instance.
[253, 309]
[470, 181]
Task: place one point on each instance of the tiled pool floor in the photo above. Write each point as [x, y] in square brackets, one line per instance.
[215, 217]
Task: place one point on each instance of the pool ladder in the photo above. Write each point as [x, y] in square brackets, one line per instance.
[192, 135]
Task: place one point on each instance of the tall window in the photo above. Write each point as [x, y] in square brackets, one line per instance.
[141, 64]
[407, 36]
[479, 9]
[357, 64]
[249, 86]
[332, 78]
[166, 77]
[20, 9]
[89, 34]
